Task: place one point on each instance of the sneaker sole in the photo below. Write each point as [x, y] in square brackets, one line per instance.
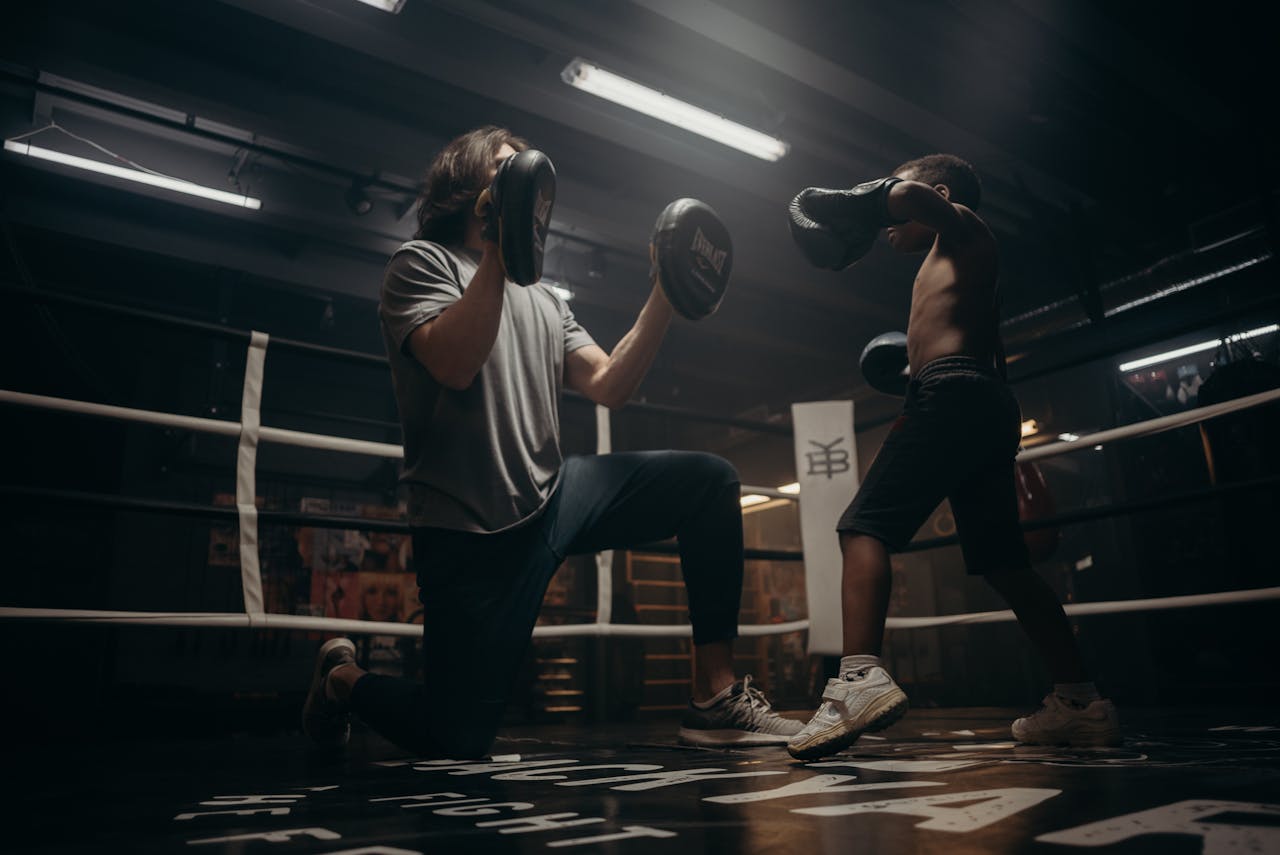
[720, 738]
[839, 736]
[317, 684]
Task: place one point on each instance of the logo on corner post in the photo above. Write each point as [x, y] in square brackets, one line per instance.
[827, 460]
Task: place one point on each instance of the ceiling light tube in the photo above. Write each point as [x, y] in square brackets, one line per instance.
[1126, 367]
[605, 84]
[392, 6]
[792, 488]
[162, 181]
[752, 499]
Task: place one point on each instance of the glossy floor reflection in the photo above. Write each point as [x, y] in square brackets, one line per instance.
[939, 781]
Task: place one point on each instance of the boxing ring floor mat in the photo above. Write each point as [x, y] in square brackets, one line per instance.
[938, 781]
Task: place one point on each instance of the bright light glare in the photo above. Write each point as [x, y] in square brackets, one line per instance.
[1126, 367]
[1068, 437]
[792, 488]
[605, 84]
[162, 181]
[753, 499]
[1030, 428]
[392, 6]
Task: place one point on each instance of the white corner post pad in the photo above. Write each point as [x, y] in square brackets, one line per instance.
[827, 469]
[246, 466]
[604, 560]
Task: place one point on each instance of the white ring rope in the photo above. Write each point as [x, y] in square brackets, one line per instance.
[306, 623]
[362, 627]
[384, 449]
[1253, 595]
[280, 436]
[222, 427]
[299, 622]
[128, 414]
[1151, 426]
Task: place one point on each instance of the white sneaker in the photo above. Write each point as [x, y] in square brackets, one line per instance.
[1060, 722]
[867, 699]
[326, 721]
[744, 717]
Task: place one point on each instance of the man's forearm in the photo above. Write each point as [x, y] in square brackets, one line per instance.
[912, 200]
[619, 378]
[461, 338]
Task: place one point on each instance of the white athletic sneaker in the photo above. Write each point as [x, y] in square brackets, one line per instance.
[325, 721]
[743, 717]
[867, 699]
[1060, 722]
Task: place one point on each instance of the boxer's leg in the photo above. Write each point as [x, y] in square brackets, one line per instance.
[986, 511]
[481, 594]
[631, 498]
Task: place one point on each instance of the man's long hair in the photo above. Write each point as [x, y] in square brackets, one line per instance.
[457, 176]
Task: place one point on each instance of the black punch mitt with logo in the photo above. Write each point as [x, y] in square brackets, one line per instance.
[693, 256]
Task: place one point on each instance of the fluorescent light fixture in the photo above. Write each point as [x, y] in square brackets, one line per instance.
[1030, 428]
[1068, 437]
[162, 181]
[793, 488]
[1270, 328]
[753, 499]
[1126, 367]
[605, 84]
[392, 6]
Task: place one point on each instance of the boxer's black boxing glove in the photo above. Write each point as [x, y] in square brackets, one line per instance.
[835, 228]
[516, 209]
[884, 363]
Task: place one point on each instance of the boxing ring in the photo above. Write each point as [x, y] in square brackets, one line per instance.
[250, 433]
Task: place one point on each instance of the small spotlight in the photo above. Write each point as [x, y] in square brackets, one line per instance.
[358, 201]
[1030, 427]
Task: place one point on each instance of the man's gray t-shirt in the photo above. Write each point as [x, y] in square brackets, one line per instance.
[484, 458]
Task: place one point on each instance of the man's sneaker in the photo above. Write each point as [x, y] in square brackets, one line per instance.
[1060, 722]
[866, 699]
[324, 720]
[743, 717]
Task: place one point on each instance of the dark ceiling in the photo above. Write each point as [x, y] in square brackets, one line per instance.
[1109, 136]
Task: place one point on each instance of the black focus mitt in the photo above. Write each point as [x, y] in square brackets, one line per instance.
[516, 209]
[693, 256]
[884, 363]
